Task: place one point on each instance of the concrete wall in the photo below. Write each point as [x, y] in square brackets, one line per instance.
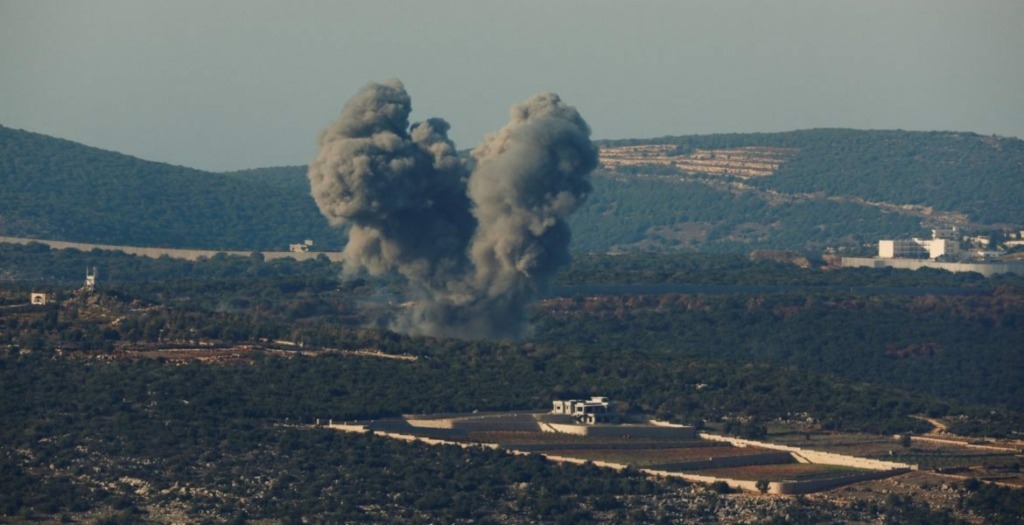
[986, 269]
[504, 422]
[814, 456]
[817, 485]
[445, 423]
[174, 253]
[613, 446]
[767, 458]
[619, 430]
[966, 444]
[736, 484]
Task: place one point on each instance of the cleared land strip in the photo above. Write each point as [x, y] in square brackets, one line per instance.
[174, 253]
[738, 162]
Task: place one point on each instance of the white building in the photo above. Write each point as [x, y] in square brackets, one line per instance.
[90, 279]
[944, 243]
[301, 248]
[590, 411]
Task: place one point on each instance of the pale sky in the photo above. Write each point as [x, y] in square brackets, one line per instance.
[233, 84]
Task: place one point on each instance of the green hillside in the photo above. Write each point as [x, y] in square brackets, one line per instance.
[663, 214]
[56, 189]
[980, 176]
[829, 188]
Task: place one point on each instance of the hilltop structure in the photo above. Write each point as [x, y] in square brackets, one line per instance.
[943, 252]
[595, 410]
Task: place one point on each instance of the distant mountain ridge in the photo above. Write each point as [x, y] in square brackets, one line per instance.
[57, 189]
[803, 190]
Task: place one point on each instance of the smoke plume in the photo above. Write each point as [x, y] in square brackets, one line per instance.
[476, 246]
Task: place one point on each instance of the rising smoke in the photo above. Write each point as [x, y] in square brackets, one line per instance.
[476, 246]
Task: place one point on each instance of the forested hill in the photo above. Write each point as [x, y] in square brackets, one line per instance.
[980, 176]
[804, 190]
[57, 189]
[807, 189]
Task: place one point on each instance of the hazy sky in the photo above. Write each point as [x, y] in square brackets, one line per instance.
[234, 84]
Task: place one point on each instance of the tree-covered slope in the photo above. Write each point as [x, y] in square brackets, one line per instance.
[980, 176]
[56, 189]
[665, 214]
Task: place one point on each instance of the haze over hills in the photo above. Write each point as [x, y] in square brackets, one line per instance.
[803, 190]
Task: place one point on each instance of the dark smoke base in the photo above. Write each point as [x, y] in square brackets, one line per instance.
[475, 246]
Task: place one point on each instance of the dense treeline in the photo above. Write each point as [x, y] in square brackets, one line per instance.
[958, 348]
[999, 505]
[950, 349]
[955, 337]
[470, 375]
[945, 334]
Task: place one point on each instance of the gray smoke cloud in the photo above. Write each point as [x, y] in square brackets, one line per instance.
[476, 245]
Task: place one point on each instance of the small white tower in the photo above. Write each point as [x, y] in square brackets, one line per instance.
[90, 279]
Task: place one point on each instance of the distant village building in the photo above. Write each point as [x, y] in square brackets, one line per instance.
[942, 251]
[943, 244]
[1014, 239]
[39, 298]
[302, 247]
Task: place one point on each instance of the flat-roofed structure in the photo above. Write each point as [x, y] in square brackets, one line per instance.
[943, 244]
[591, 411]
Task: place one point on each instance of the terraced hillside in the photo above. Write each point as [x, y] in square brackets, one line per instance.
[750, 161]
